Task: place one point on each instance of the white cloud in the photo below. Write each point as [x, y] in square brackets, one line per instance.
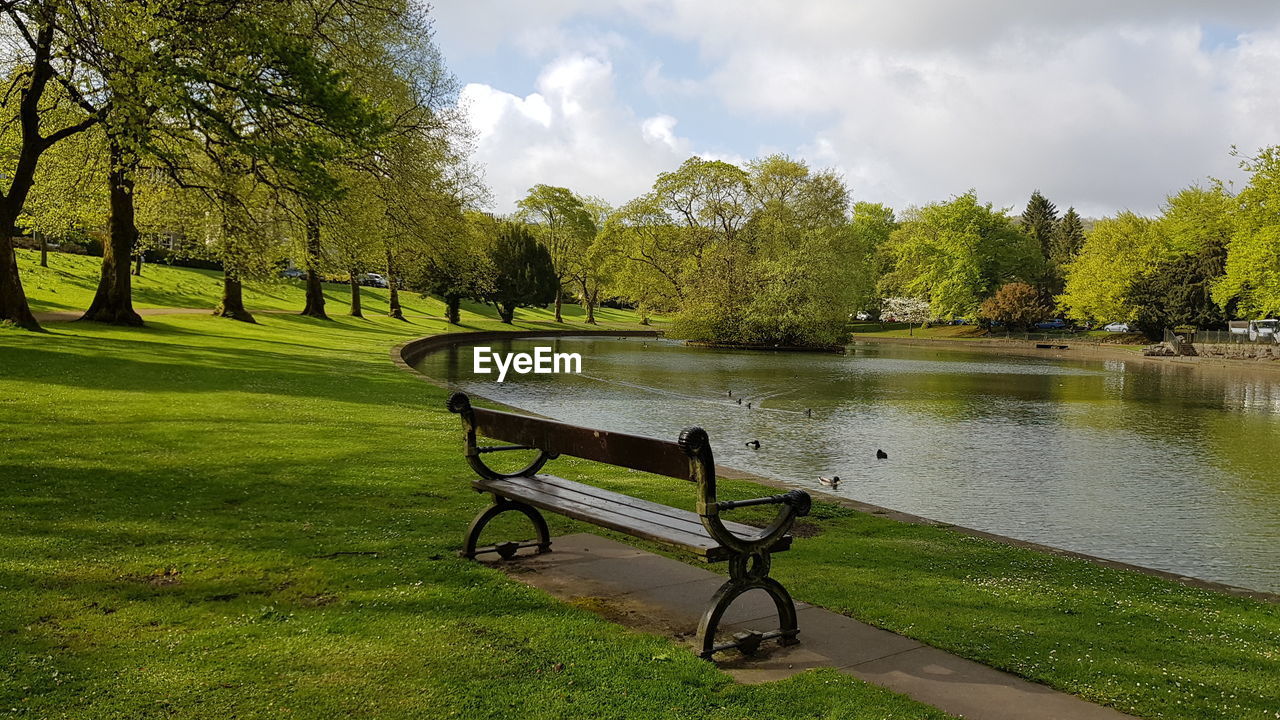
[572, 132]
[1099, 104]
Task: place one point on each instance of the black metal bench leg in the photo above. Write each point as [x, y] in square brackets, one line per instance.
[741, 580]
[506, 550]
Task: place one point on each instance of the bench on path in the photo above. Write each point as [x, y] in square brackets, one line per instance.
[702, 532]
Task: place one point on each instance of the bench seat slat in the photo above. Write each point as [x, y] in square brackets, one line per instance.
[616, 511]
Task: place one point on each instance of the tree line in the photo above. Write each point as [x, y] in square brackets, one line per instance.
[774, 252]
[245, 132]
[250, 134]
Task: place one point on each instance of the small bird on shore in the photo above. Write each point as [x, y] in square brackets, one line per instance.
[739, 401]
[754, 444]
[748, 406]
[808, 412]
[882, 455]
[832, 481]
[730, 393]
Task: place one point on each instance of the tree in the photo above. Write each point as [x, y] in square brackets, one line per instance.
[1068, 237]
[1040, 221]
[913, 311]
[656, 252]
[871, 226]
[956, 253]
[1015, 305]
[566, 228]
[1251, 281]
[42, 119]
[1177, 292]
[1197, 224]
[1115, 253]
[525, 275]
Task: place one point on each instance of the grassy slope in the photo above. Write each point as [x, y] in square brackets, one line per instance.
[166, 495]
[70, 281]
[174, 502]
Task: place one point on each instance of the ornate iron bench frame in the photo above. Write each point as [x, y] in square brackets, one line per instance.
[689, 458]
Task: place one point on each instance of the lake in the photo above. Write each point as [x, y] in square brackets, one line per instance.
[1162, 465]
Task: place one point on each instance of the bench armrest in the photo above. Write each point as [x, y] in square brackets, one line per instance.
[798, 500]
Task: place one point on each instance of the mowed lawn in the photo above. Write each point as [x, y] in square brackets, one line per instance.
[204, 518]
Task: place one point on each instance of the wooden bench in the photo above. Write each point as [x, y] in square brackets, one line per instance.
[701, 532]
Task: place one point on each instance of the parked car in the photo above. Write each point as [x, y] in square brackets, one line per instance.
[1053, 324]
[372, 280]
[1122, 327]
[863, 315]
[292, 274]
[1263, 329]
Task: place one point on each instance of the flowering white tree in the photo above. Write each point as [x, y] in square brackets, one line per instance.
[912, 311]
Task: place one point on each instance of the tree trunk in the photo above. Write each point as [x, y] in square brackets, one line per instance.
[232, 305]
[393, 302]
[559, 291]
[507, 313]
[355, 297]
[589, 300]
[13, 300]
[113, 302]
[137, 266]
[44, 250]
[315, 292]
[453, 309]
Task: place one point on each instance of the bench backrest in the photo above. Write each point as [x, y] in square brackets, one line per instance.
[637, 452]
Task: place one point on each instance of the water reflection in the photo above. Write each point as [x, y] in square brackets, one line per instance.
[1164, 465]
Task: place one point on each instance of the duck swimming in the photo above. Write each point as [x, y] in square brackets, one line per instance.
[754, 444]
[832, 481]
[882, 455]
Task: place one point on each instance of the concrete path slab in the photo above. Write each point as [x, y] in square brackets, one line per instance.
[652, 593]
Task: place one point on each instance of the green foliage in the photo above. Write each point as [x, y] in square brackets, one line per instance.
[954, 254]
[524, 274]
[761, 256]
[1197, 223]
[871, 226]
[1068, 238]
[1252, 277]
[1040, 221]
[1015, 305]
[1177, 292]
[1115, 253]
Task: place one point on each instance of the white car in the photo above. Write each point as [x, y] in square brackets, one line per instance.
[1117, 327]
[374, 280]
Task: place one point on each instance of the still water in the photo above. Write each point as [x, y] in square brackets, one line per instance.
[1162, 465]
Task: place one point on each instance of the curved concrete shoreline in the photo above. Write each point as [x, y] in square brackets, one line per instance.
[406, 354]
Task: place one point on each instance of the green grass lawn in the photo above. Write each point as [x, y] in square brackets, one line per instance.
[204, 518]
[69, 283]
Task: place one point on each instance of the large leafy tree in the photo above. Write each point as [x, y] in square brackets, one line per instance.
[1252, 272]
[1178, 290]
[1015, 305]
[565, 226]
[1115, 253]
[39, 114]
[955, 254]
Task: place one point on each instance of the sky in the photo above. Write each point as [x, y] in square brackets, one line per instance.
[1104, 105]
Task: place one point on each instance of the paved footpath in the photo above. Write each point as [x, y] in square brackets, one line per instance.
[657, 594]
